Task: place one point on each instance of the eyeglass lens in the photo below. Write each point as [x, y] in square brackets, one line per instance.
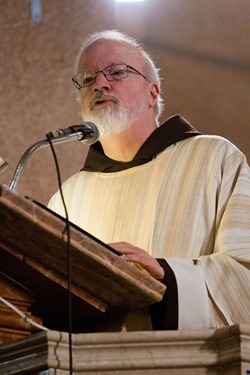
[113, 72]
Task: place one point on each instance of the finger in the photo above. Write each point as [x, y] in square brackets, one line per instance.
[122, 247]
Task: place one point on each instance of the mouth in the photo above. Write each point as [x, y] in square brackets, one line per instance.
[103, 102]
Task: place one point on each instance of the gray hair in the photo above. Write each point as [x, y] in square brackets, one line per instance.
[151, 71]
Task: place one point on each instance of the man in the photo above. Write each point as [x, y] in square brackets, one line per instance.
[166, 197]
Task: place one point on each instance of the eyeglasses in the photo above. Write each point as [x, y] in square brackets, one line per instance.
[111, 73]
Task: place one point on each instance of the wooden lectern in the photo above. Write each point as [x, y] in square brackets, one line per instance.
[34, 274]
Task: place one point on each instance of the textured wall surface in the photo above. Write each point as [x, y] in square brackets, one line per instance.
[202, 48]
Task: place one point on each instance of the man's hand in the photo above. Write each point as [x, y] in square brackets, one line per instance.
[135, 254]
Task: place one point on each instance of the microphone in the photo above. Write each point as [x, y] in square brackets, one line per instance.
[87, 132]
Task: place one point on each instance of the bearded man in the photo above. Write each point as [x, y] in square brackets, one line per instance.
[164, 196]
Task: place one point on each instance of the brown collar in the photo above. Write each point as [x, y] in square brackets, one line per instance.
[174, 130]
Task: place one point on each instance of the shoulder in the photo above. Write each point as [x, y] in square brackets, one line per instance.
[210, 150]
[74, 181]
[68, 186]
[212, 139]
[212, 144]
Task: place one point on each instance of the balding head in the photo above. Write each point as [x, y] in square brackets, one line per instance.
[150, 69]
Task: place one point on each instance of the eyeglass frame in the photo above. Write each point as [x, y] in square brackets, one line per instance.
[108, 76]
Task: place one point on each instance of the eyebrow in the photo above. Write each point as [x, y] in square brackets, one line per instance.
[111, 64]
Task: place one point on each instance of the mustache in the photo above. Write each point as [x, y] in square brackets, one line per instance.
[100, 94]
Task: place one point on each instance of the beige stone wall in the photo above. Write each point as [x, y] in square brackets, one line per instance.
[201, 46]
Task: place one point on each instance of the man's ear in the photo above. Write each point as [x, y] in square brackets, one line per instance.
[154, 92]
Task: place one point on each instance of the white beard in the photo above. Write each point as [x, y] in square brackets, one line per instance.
[115, 120]
[108, 121]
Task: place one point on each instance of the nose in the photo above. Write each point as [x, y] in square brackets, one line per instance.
[101, 83]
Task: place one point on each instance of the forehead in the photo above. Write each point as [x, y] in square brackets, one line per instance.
[105, 52]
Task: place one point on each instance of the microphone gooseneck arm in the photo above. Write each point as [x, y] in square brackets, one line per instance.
[75, 132]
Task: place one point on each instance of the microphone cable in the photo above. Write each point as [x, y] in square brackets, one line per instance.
[67, 230]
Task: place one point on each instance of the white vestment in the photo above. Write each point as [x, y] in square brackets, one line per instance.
[189, 205]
